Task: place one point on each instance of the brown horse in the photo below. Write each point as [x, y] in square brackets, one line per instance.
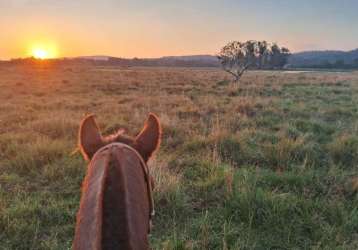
[116, 203]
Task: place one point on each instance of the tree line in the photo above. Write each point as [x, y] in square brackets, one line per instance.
[337, 64]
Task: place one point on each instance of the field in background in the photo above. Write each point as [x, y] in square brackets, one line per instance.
[269, 165]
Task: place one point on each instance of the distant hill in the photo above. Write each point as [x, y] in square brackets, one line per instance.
[184, 61]
[206, 58]
[327, 58]
[103, 60]
[307, 59]
[96, 58]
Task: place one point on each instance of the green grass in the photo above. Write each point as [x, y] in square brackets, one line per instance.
[271, 165]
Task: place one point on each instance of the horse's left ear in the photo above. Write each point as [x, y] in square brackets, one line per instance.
[90, 138]
[149, 138]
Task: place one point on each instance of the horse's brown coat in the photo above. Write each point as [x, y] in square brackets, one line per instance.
[114, 210]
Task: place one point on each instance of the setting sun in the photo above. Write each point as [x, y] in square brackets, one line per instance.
[44, 51]
[40, 54]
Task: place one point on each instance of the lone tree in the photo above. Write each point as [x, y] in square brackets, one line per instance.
[237, 57]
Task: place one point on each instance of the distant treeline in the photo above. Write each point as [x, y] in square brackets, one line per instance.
[308, 59]
[339, 64]
[324, 60]
[114, 61]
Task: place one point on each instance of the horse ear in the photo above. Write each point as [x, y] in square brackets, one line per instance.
[149, 138]
[90, 138]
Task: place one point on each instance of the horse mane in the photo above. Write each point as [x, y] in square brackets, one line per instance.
[112, 193]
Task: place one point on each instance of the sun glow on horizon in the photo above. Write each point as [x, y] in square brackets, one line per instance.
[44, 51]
[40, 54]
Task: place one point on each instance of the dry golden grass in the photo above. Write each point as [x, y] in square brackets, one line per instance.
[238, 164]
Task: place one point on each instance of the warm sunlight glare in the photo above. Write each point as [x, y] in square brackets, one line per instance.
[43, 52]
[40, 54]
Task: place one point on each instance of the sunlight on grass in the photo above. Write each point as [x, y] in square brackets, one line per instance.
[269, 165]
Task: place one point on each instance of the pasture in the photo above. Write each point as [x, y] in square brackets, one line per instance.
[271, 164]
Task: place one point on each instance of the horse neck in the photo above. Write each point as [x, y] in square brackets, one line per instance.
[114, 207]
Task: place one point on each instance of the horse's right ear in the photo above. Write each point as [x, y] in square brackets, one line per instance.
[149, 138]
[90, 138]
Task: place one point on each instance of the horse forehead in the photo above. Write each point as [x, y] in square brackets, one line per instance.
[118, 150]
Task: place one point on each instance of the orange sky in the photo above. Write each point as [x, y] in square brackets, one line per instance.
[140, 28]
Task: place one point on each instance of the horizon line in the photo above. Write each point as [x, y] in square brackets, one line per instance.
[159, 57]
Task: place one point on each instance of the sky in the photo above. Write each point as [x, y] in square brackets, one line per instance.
[154, 28]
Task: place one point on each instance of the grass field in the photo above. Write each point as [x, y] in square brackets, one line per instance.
[269, 164]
